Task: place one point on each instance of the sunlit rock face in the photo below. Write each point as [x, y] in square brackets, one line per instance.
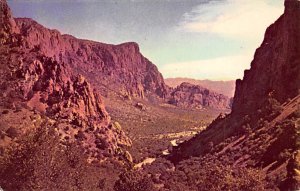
[120, 67]
[37, 72]
[193, 96]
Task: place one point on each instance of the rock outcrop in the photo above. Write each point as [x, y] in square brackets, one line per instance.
[223, 87]
[35, 74]
[7, 23]
[276, 64]
[262, 130]
[194, 96]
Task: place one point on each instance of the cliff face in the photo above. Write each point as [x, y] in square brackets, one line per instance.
[121, 68]
[223, 87]
[34, 75]
[262, 130]
[276, 65]
[194, 96]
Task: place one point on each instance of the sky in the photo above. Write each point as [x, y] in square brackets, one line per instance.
[201, 39]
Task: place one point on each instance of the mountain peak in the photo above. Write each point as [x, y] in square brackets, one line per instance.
[188, 95]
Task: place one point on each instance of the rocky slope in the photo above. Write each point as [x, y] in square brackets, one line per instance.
[34, 76]
[194, 96]
[223, 87]
[121, 68]
[280, 50]
[263, 129]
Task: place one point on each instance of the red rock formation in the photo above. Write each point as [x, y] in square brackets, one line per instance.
[33, 73]
[119, 67]
[7, 23]
[194, 96]
[223, 87]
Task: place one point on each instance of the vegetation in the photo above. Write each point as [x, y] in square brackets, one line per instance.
[134, 181]
[193, 174]
[214, 176]
[151, 130]
[37, 161]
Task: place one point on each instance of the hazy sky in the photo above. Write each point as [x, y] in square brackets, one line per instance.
[204, 39]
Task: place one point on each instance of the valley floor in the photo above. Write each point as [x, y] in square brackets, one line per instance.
[155, 128]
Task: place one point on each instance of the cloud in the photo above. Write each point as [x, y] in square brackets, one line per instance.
[223, 68]
[242, 21]
[233, 18]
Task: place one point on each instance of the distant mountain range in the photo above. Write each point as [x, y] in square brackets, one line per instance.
[226, 88]
[189, 95]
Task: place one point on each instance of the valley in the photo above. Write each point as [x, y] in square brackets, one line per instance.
[151, 129]
[77, 114]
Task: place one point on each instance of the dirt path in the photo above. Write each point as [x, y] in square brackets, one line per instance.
[146, 161]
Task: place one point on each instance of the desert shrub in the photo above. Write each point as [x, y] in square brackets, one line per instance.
[285, 141]
[12, 132]
[297, 112]
[246, 128]
[284, 155]
[80, 136]
[5, 112]
[214, 176]
[18, 109]
[271, 108]
[40, 162]
[134, 181]
[2, 135]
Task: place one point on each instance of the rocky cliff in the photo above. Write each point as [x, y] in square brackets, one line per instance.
[36, 74]
[276, 64]
[223, 87]
[121, 68]
[194, 96]
[262, 130]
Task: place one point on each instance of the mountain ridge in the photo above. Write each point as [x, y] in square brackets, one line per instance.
[194, 96]
[226, 88]
[98, 58]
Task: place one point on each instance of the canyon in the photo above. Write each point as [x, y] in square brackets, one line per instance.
[83, 115]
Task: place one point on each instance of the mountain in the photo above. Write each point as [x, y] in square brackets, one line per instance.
[262, 130]
[52, 118]
[280, 76]
[35, 77]
[109, 68]
[194, 96]
[56, 133]
[121, 68]
[223, 87]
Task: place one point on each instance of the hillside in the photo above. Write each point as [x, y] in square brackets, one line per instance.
[263, 127]
[50, 114]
